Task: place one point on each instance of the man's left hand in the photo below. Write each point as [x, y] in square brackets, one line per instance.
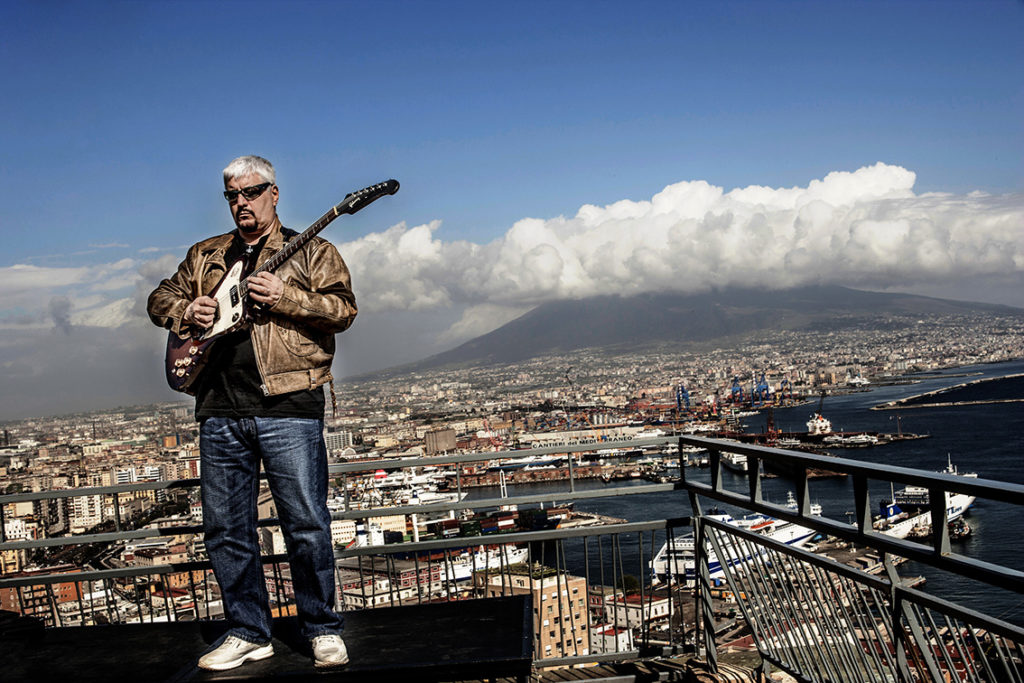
[265, 288]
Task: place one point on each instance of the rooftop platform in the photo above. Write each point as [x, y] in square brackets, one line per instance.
[879, 628]
[432, 642]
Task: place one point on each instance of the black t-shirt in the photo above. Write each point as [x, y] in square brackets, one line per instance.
[230, 385]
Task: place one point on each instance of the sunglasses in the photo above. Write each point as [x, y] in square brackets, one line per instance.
[250, 193]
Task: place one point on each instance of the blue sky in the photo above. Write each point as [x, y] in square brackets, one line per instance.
[118, 117]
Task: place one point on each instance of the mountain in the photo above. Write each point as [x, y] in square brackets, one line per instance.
[648, 319]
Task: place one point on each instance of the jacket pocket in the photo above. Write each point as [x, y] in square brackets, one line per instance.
[295, 340]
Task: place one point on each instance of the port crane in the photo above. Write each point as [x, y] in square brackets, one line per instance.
[737, 391]
[682, 398]
[759, 396]
[785, 389]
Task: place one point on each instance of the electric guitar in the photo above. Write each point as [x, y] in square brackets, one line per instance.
[187, 356]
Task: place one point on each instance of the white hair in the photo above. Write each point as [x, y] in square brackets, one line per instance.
[249, 165]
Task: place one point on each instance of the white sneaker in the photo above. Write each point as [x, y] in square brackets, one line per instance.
[234, 652]
[329, 651]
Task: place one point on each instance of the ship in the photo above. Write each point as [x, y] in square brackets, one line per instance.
[916, 497]
[819, 425]
[900, 524]
[852, 440]
[676, 560]
[460, 566]
[736, 462]
[456, 565]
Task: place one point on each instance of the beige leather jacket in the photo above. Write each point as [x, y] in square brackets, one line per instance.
[294, 339]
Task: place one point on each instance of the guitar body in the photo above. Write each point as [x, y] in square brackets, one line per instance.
[185, 358]
[230, 296]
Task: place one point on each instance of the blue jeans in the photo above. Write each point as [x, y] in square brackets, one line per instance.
[295, 460]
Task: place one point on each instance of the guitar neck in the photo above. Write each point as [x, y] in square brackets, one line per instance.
[296, 243]
[350, 204]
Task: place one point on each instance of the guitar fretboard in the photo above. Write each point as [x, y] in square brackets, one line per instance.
[350, 204]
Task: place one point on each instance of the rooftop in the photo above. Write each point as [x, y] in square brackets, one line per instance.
[804, 613]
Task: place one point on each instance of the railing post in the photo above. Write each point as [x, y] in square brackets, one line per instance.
[703, 617]
[715, 464]
[754, 479]
[940, 520]
[803, 494]
[899, 636]
[645, 631]
[862, 507]
[117, 511]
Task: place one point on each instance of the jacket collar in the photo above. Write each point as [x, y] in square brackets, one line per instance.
[215, 247]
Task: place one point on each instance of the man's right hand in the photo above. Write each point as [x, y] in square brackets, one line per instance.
[201, 312]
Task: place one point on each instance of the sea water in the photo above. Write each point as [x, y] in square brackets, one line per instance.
[987, 439]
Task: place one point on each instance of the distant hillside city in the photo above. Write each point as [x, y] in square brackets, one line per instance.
[579, 396]
[495, 406]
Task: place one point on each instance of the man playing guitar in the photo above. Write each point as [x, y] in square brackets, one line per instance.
[260, 399]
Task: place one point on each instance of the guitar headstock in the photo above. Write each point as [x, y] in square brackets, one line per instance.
[354, 201]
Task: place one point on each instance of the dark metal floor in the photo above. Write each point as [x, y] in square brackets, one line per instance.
[472, 639]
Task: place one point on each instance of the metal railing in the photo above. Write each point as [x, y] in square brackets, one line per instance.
[821, 620]
[808, 614]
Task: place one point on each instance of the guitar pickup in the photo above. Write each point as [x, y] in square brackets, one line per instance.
[233, 293]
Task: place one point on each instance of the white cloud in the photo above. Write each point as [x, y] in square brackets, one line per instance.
[21, 278]
[478, 320]
[69, 295]
[865, 227]
[861, 228]
[111, 314]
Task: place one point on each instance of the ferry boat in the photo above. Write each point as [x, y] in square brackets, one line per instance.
[914, 497]
[460, 567]
[736, 462]
[528, 463]
[677, 563]
[899, 524]
[457, 565]
[862, 439]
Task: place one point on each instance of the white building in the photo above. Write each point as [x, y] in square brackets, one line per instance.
[86, 512]
[19, 529]
[337, 441]
[633, 610]
[610, 638]
[342, 531]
